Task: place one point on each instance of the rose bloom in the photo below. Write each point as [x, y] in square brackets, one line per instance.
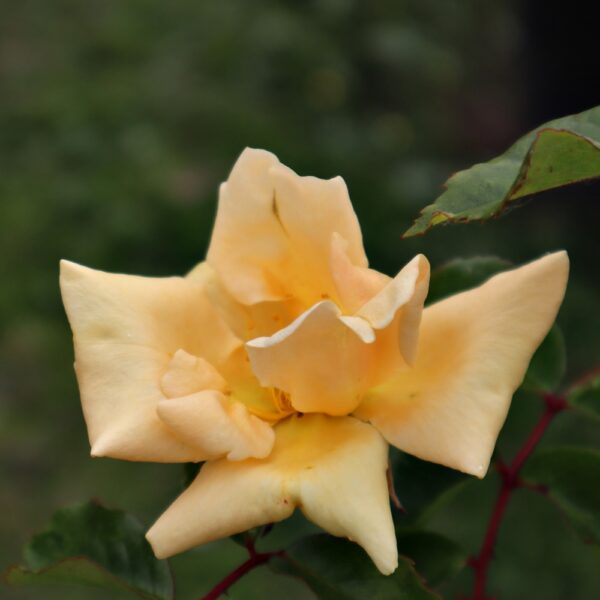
[288, 365]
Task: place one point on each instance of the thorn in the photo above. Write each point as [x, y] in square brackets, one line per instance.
[391, 490]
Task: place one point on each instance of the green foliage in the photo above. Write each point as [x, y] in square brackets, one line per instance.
[461, 274]
[558, 158]
[94, 546]
[585, 398]
[571, 478]
[336, 569]
[559, 153]
[548, 365]
[436, 557]
[422, 486]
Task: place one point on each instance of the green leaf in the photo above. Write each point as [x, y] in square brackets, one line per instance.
[91, 545]
[548, 365]
[585, 398]
[462, 274]
[571, 478]
[422, 486]
[336, 569]
[557, 158]
[436, 557]
[559, 153]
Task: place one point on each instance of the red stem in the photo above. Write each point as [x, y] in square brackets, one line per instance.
[510, 481]
[255, 560]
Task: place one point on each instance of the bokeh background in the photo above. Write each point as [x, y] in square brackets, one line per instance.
[118, 119]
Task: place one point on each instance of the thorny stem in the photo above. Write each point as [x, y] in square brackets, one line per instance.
[255, 560]
[511, 480]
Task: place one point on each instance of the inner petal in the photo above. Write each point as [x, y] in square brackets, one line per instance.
[323, 360]
[209, 421]
[187, 374]
[201, 409]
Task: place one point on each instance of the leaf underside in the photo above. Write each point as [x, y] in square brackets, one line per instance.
[560, 153]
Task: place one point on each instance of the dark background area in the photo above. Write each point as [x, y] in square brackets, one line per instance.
[119, 119]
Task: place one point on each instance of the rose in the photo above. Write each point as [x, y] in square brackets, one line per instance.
[287, 365]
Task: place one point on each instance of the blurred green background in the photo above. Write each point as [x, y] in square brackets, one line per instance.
[118, 120]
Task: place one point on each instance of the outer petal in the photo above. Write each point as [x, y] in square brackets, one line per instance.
[126, 329]
[323, 360]
[334, 469]
[473, 353]
[273, 230]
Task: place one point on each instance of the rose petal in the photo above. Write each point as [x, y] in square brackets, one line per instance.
[355, 284]
[246, 321]
[334, 469]
[322, 360]
[126, 330]
[397, 310]
[473, 353]
[187, 374]
[214, 425]
[272, 234]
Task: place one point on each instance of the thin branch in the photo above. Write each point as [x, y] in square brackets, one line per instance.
[510, 475]
[255, 560]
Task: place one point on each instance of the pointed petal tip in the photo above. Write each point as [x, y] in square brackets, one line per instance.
[478, 469]
[250, 153]
[384, 552]
[558, 258]
[98, 450]
[104, 446]
[68, 268]
[388, 564]
[153, 540]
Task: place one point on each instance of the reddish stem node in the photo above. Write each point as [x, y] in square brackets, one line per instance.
[511, 480]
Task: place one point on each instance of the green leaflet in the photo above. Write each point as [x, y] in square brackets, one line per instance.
[91, 545]
[436, 557]
[548, 365]
[571, 479]
[585, 398]
[421, 487]
[559, 153]
[336, 569]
